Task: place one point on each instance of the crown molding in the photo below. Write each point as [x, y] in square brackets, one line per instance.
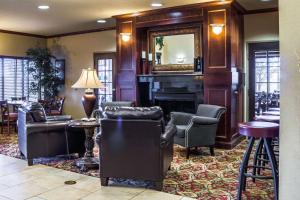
[82, 32]
[213, 3]
[23, 34]
[259, 11]
[58, 35]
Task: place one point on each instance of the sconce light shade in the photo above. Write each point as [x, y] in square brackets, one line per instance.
[217, 28]
[125, 36]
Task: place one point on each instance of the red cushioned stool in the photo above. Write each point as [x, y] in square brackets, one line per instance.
[266, 132]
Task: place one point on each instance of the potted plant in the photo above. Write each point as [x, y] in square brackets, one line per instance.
[42, 69]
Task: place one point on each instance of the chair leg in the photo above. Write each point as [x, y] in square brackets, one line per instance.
[273, 162]
[212, 150]
[256, 157]
[8, 127]
[104, 181]
[243, 168]
[158, 185]
[188, 150]
[30, 162]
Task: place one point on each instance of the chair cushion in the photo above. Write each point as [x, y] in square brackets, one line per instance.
[152, 113]
[181, 131]
[55, 112]
[36, 111]
[13, 115]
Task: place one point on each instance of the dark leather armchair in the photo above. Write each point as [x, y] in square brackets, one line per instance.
[134, 144]
[197, 130]
[98, 113]
[42, 136]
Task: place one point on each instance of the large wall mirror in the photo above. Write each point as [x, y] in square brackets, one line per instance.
[175, 50]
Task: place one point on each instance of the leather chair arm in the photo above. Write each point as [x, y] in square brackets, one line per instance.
[59, 118]
[180, 118]
[168, 135]
[204, 120]
[42, 127]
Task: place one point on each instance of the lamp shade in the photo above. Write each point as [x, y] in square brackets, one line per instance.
[88, 80]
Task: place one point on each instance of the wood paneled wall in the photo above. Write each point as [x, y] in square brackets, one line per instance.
[222, 56]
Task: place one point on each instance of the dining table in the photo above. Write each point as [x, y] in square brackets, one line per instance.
[16, 104]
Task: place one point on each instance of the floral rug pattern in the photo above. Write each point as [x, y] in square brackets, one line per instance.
[203, 177]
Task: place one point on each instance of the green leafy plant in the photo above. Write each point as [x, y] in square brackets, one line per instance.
[160, 42]
[43, 71]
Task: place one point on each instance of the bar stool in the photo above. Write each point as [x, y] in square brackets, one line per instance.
[275, 113]
[260, 156]
[268, 118]
[265, 131]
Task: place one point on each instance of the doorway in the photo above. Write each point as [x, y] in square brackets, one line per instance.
[264, 78]
[105, 64]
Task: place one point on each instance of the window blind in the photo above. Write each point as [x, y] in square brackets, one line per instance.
[15, 79]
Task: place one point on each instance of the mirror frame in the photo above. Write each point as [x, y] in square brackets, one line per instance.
[175, 31]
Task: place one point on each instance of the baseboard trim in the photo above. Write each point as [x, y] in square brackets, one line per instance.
[231, 144]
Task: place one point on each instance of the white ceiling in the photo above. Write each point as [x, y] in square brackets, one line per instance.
[66, 16]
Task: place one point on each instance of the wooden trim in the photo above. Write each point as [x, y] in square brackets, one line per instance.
[259, 11]
[23, 34]
[239, 7]
[175, 30]
[211, 37]
[252, 47]
[83, 32]
[14, 57]
[170, 9]
[59, 35]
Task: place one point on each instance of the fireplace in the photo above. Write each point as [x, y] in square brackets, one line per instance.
[172, 92]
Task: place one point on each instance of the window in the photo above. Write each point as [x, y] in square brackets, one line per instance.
[14, 78]
[105, 68]
[267, 79]
[105, 75]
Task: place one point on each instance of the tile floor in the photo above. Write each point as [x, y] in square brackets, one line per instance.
[39, 182]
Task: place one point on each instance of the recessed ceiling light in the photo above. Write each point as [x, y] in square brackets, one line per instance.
[43, 7]
[101, 21]
[156, 4]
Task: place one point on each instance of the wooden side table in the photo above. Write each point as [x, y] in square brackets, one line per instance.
[88, 161]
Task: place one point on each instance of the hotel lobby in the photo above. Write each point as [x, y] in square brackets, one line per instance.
[149, 99]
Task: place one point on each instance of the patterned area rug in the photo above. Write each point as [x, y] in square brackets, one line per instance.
[203, 177]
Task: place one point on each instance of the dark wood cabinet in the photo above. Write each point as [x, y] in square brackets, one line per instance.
[222, 56]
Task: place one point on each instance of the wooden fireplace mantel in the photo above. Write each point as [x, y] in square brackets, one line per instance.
[222, 55]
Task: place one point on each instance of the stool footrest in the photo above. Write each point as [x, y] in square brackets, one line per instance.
[257, 176]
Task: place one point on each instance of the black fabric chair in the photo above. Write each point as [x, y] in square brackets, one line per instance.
[42, 136]
[197, 130]
[135, 144]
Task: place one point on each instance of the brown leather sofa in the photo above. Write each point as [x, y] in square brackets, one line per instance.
[134, 143]
[42, 136]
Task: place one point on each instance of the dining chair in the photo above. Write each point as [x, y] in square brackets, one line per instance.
[8, 119]
[18, 98]
[16, 106]
[57, 106]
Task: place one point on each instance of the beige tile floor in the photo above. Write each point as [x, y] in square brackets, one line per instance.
[39, 182]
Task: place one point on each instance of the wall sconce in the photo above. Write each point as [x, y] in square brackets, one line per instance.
[125, 36]
[217, 28]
